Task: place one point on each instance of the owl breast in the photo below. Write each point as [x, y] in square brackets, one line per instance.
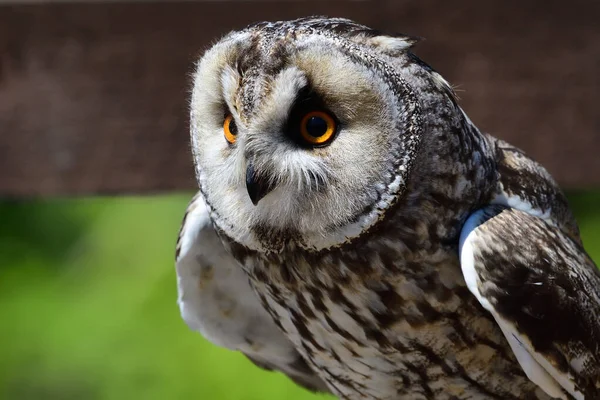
[376, 329]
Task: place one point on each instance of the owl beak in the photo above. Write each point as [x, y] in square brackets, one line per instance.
[257, 186]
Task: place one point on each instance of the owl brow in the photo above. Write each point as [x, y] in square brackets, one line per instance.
[307, 96]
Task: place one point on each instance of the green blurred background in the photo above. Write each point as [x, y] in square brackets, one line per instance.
[88, 305]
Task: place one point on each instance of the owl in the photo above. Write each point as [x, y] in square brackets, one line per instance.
[355, 230]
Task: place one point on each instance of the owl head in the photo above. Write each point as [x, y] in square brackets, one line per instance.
[305, 132]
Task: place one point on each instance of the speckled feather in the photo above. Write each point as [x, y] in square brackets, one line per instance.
[363, 276]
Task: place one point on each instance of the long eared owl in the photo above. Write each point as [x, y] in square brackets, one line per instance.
[355, 231]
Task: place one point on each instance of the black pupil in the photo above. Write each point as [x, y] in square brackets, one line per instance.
[316, 126]
[232, 127]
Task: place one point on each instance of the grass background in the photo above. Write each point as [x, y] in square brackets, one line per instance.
[88, 305]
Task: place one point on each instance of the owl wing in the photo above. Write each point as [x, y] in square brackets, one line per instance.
[543, 291]
[215, 298]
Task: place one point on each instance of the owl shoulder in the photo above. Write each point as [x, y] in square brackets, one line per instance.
[526, 185]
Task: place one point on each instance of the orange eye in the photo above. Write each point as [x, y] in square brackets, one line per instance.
[317, 128]
[230, 129]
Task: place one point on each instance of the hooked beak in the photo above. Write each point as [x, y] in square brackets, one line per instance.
[257, 186]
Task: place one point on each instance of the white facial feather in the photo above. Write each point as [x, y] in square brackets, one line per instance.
[321, 193]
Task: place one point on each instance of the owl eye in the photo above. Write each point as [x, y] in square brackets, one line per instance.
[230, 129]
[317, 128]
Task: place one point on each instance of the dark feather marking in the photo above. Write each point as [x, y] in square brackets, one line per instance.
[336, 328]
[406, 381]
[287, 275]
[433, 358]
[352, 352]
[304, 308]
[373, 333]
[423, 379]
[299, 322]
[317, 300]
[337, 297]
[393, 303]
[430, 314]
[483, 390]
[309, 352]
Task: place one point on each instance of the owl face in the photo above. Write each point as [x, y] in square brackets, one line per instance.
[299, 134]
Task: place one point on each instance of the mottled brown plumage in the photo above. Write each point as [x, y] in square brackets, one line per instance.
[360, 250]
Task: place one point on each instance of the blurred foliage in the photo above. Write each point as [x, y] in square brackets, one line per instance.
[88, 305]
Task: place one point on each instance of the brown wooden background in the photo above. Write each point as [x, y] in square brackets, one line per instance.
[93, 96]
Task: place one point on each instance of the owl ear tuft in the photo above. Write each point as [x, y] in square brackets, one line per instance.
[393, 45]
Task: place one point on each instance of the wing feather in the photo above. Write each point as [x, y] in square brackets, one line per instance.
[216, 299]
[543, 291]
